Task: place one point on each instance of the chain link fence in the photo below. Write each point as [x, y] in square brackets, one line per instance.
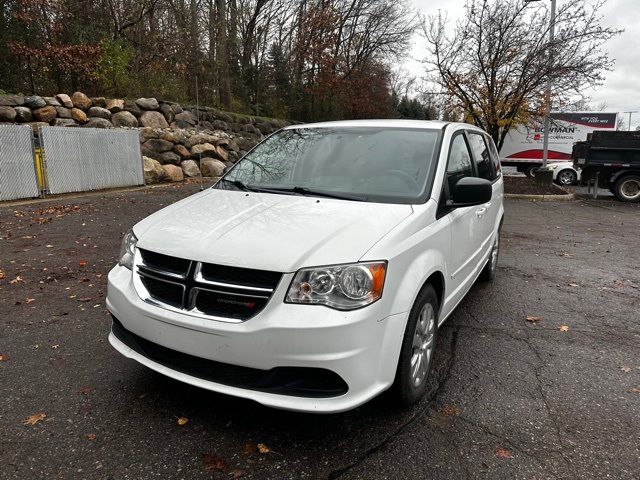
[81, 159]
[17, 169]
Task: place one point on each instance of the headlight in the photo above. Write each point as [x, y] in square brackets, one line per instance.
[343, 287]
[128, 250]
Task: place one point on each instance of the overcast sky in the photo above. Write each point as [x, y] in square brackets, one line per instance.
[621, 91]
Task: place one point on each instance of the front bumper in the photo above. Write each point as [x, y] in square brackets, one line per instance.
[361, 347]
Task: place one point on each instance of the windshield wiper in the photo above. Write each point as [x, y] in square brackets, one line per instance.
[320, 193]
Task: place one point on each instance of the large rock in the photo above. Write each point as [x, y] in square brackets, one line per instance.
[97, 122]
[222, 154]
[176, 108]
[181, 125]
[204, 149]
[45, 114]
[65, 100]
[7, 114]
[51, 101]
[190, 168]
[63, 112]
[182, 151]
[153, 119]
[188, 117]
[171, 136]
[173, 173]
[99, 112]
[23, 114]
[81, 101]
[210, 167]
[124, 119]
[198, 138]
[78, 115]
[168, 157]
[158, 145]
[34, 102]
[147, 103]
[99, 101]
[11, 100]
[165, 109]
[153, 171]
[130, 106]
[65, 122]
[146, 133]
[115, 105]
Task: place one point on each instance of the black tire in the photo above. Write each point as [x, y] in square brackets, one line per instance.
[488, 273]
[627, 189]
[567, 177]
[531, 170]
[405, 390]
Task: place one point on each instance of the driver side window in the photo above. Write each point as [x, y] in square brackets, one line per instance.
[459, 163]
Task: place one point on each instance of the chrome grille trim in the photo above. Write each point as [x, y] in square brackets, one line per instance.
[192, 283]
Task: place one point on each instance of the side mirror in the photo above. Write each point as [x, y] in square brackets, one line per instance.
[470, 191]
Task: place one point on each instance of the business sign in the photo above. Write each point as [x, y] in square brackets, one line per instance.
[525, 143]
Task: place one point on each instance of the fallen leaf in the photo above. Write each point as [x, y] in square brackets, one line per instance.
[91, 437]
[502, 452]
[248, 448]
[533, 319]
[567, 254]
[236, 473]
[626, 369]
[635, 390]
[35, 418]
[2, 276]
[85, 390]
[183, 421]
[449, 411]
[3, 358]
[574, 285]
[29, 300]
[18, 279]
[56, 346]
[49, 246]
[564, 328]
[85, 299]
[83, 263]
[213, 462]
[262, 448]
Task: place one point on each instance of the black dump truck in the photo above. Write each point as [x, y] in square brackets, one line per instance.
[611, 160]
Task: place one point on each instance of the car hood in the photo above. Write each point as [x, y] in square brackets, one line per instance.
[268, 231]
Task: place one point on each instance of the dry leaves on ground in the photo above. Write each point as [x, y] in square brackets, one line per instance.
[449, 411]
[3, 358]
[635, 390]
[35, 418]
[249, 448]
[83, 263]
[262, 448]
[213, 462]
[183, 421]
[564, 328]
[502, 452]
[91, 437]
[237, 473]
[532, 319]
[85, 390]
[626, 369]
[18, 279]
[2, 275]
[574, 285]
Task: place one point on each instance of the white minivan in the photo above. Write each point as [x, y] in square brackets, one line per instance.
[315, 274]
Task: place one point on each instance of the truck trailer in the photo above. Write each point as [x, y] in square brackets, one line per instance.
[523, 145]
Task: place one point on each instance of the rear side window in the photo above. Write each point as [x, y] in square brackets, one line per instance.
[495, 157]
[482, 156]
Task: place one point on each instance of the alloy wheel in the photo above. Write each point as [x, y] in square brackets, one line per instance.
[423, 339]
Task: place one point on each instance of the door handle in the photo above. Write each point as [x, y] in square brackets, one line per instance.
[480, 212]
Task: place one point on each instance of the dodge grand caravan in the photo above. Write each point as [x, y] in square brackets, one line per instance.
[315, 273]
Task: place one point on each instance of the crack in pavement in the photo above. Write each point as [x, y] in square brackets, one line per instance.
[339, 472]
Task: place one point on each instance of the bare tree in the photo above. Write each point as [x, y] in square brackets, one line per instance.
[497, 60]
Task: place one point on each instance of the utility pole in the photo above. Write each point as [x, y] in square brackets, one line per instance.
[630, 113]
[547, 93]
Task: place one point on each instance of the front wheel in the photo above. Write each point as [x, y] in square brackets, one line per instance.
[418, 347]
[531, 170]
[627, 189]
[489, 271]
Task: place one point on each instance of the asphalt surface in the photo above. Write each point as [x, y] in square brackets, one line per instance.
[510, 398]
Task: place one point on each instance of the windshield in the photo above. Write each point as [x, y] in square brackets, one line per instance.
[356, 163]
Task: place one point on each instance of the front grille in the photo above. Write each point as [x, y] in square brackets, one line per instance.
[307, 382]
[203, 289]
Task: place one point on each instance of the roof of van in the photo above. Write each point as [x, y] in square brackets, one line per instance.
[393, 123]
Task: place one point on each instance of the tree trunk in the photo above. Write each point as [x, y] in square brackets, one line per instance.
[222, 50]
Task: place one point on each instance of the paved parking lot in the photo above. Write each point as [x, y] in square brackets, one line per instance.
[556, 397]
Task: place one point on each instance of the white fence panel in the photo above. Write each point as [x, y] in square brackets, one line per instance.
[80, 159]
[17, 168]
